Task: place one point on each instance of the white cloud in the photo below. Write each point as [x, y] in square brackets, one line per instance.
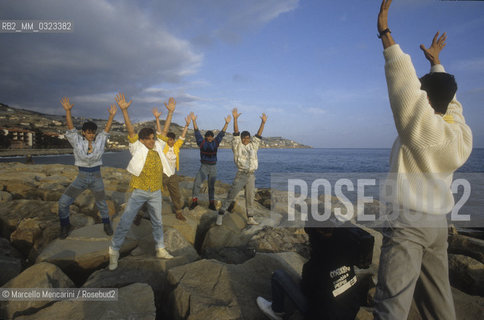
[472, 65]
[114, 46]
[315, 111]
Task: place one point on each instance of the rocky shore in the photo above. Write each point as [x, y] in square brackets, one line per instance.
[217, 272]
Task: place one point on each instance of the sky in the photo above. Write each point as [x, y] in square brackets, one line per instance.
[315, 67]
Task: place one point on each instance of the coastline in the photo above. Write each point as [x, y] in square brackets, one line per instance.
[5, 153]
[33, 152]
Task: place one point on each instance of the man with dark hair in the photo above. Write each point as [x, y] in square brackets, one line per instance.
[172, 153]
[328, 288]
[89, 126]
[147, 165]
[245, 158]
[208, 158]
[429, 148]
[88, 149]
[441, 88]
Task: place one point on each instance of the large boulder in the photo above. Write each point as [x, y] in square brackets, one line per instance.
[276, 239]
[143, 267]
[468, 307]
[41, 275]
[10, 262]
[135, 301]
[12, 212]
[30, 225]
[83, 251]
[466, 274]
[459, 244]
[227, 291]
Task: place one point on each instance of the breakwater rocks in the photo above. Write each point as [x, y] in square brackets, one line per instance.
[217, 272]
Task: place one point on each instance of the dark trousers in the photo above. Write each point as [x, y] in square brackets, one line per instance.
[282, 285]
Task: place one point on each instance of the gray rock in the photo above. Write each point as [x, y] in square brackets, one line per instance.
[466, 274]
[5, 196]
[135, 301]
[83, 251]
[281, 240]
[145, 267]
[468, 307]
[11, 267]
[27, 234]
[226, 291]
[42, 275]
[468, 246]
[12, 213]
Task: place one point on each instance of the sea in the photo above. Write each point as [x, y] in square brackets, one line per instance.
[355, 168]
[316, 161]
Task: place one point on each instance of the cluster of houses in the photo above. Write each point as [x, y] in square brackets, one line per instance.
[21, 138]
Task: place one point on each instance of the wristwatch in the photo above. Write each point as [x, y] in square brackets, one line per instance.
[383, 32]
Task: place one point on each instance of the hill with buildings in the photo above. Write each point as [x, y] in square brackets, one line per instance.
[25, 129]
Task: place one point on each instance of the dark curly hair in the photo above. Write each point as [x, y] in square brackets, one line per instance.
[441, 88]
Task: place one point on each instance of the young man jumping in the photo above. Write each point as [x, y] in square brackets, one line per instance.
[88, 149]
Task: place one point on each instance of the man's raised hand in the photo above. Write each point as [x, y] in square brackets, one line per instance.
[263, 117]
[188, 118]
[66, 104]
[235, 114]
[228, 118]
[193, 116]
[156, 113]
[171, 105]
[432, 53]
[121, 101]
[112, 110]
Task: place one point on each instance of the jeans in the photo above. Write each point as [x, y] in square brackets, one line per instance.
[282, 285]
[135, 202]
[206, 170]
[84, 180]
[413, 261]
[242, 180]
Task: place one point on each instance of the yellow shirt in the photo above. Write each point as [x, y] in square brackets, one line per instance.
[176, 148]
[150, 178]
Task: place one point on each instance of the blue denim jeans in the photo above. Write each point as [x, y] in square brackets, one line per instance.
[84, 180]
[135, 202]
[206, 171]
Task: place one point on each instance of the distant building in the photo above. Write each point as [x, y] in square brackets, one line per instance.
[21, 138]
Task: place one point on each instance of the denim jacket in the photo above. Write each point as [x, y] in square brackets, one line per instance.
[81, 145]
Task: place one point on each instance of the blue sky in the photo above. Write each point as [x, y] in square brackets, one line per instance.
[314, 67]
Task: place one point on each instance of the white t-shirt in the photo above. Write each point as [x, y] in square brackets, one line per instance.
[171, 157]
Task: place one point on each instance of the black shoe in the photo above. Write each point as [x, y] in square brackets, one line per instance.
[193, 205]
[108, 229]
[65, 230]
[212, 206]
[231, 207]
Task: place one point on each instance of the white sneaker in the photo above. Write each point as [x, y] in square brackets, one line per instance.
[219, 219]
[251, 221]
[113, 258]
[163, 254]
[266, 308]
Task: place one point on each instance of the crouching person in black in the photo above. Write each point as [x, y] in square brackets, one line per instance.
[329, 287]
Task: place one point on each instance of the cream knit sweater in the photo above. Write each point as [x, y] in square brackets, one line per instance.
[428, 149]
